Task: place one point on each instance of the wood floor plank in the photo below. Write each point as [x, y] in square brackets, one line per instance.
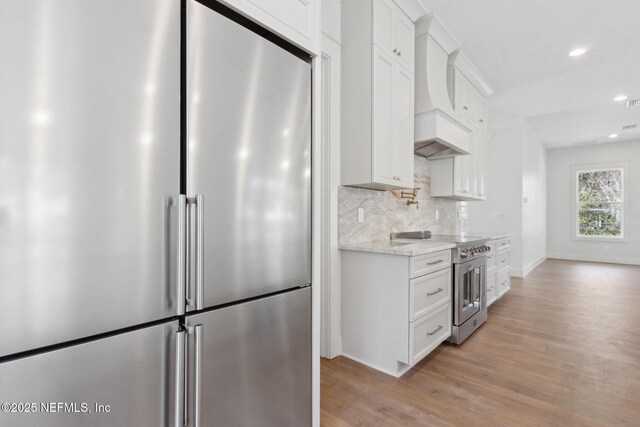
[562, 348]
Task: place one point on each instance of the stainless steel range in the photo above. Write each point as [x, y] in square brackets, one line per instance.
[469, 279]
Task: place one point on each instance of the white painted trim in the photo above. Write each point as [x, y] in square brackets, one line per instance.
[433, 26]
[316, 237]
[412, 8]
[331, 341]
[517, 272]
[326, 36]
[466, 67]
[397, 374]
[593, 258]
[624, 166]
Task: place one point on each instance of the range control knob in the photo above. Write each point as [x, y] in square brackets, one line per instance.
[463, 254]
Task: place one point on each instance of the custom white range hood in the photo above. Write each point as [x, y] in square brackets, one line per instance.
[438, 133]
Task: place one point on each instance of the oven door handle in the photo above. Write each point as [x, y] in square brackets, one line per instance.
[476, 284]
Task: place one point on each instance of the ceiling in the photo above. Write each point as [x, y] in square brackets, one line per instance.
[522, 46]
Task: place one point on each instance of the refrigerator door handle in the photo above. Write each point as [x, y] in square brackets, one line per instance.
[196, 302]
[182, 253]
[199, 251]
[193, 393]
[180, 380]
[198, 376]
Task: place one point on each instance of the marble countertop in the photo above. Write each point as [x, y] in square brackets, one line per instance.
[405, 249]
[492, 236]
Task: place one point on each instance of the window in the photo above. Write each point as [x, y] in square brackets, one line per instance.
[599, 201]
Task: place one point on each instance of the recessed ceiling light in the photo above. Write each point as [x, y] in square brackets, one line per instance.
[613, 135]
[577, 52]
[620, 98]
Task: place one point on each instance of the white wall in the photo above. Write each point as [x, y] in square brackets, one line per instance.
[534, 198]
[502, 211]
[516, 168]
[330, 341]
[560, 200]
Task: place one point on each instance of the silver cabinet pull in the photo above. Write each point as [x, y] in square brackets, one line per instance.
[395, 51]
[435, 262]
[435, 330]
[465, 107]
[434, 292]
[399, 53]
[182, 254]
[481, 121]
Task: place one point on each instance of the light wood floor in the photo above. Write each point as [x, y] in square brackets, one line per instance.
[561, 348]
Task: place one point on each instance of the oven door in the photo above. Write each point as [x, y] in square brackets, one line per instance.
[469, 288]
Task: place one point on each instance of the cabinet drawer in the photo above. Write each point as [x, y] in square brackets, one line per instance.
[503, 244]
[503, 283]
[429, 292]
[492, 248]
[424, 264]
[491, 287]
[428, 332]
[491, 260]
[502, 260]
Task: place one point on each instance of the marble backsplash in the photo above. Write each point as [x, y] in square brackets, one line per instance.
[386, 212]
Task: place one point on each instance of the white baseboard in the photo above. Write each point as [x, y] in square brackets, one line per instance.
[594, 258]
[516, 272]
[523, 272]
[532, 266]
[398, 373]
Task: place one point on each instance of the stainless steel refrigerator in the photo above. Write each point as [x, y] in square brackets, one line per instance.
[155, 217]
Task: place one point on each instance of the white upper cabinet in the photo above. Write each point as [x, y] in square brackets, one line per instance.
[464, 177]
[404, 111]
[383, 23]
[377, 95]
[393, 31]
[383, 82]
[404, 39]
[294, 20]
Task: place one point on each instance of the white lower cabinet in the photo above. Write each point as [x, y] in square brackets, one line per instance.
[428, 332]
[491, 285]
[503, 283]
[394, 309]
[498, 269]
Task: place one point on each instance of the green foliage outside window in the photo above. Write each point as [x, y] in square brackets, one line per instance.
[600, 203]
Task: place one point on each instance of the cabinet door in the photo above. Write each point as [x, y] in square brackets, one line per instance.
[482, 110]
[404, 115]
[458, 94]
[482, 161]
[404, 39]
[474, 161]
[383, 132]
[474, 103]
[383, 23]
[461, 166]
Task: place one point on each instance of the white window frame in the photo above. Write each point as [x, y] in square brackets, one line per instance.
[575, 170]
